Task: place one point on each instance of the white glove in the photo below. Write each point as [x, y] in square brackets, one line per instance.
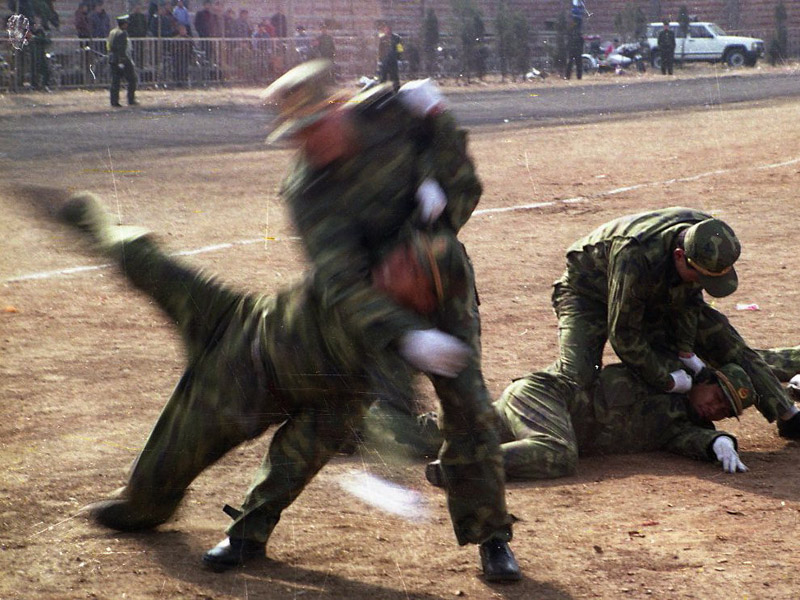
[421, 96]
[794, 384]
[431, 199]
[434, 351]
[692, 363]
[726, 454]
[683, 383]
[121, 66]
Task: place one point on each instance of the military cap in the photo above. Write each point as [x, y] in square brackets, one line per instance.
[736, 385]
[302, 96]
[123, 19]
[711, 249]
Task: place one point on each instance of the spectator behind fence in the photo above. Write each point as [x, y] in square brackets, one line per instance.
[182, 55]
[181, 14]
[163, 24]
[40, 70]
[99, 21]
[265, 30]
[302, 43]
[202, 20]
[241, 27]
[324, 44]
[278, 21]
[137, 24]
[81, 21]
[218, 22]
[228, 19]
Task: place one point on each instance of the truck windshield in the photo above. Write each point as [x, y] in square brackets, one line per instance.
[716, 29]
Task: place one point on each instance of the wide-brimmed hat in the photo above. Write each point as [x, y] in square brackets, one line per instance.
[737, 386]
[711, 248]
[302, 96]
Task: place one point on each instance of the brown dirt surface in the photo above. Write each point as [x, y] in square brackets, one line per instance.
[86, 364]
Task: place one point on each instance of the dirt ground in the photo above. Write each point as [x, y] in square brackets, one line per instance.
[86, 364]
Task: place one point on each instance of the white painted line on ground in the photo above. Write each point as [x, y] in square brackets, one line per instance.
[477, 213]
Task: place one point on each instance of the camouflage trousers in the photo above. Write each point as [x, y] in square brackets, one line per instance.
[229, 393]
[255, 362]
[470, 455]
[546, 420]
[583, 332]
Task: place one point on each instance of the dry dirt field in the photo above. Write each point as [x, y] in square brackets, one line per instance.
[86, 364]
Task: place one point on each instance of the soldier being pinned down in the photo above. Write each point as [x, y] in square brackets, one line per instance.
[547, 421]
[313, 358]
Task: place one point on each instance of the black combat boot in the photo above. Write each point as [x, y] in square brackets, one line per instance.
[790, 429]
[123, 515]
[498, 562]
[233, 552]
[434, 474]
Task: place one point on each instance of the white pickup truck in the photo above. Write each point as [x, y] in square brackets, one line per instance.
[707, 42]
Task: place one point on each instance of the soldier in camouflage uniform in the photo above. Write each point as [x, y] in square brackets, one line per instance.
[253, 362]
[637, 282]
[373, 172]
[548, 421]
[314, 357]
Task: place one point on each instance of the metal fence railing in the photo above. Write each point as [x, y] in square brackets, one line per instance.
[171, 62]
[192, 62]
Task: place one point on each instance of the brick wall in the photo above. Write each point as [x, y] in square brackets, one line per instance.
[357, 17]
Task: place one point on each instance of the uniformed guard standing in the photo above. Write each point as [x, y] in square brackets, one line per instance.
[390, 49]
[666, 48]
[121, 62]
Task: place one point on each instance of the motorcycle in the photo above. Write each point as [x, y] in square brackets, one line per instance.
[633, 51]
[604, 58]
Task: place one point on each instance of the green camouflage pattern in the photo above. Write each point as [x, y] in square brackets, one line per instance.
[783, 362]
[350, 215]
[252, 362]
[548, 421]
[712, 244]
[621, 286]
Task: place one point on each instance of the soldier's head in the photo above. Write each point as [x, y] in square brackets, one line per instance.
[705, 254]
[123, 21]
[666, 24]
[308, 113]
[721, 393]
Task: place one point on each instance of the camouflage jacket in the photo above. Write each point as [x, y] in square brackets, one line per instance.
[354, 211]
[622, 414]
[627, 265]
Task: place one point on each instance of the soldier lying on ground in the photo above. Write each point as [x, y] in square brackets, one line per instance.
[620, 414]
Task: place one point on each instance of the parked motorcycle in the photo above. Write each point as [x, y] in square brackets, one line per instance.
[606, 57]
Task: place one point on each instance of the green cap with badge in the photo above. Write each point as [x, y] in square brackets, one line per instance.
[736, 385]
[302, 96]
[711, 248]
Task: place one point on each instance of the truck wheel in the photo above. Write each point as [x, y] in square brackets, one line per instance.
[735, 58]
